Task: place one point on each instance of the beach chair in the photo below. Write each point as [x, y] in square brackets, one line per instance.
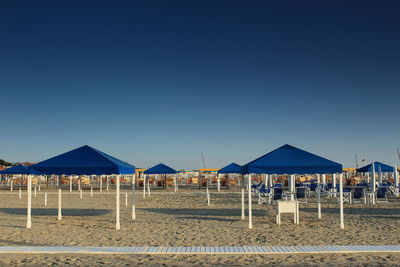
[278, 193]
[312, 190]
[358, 194]
[347, 196]
[255, 188]
[301, 194]
[381, 195]
[264, 195]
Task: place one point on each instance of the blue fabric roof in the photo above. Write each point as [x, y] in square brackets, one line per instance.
[231, 168]
[84, 160]
[368, 168]
[160, 169]
[288, 159]
[18, 169]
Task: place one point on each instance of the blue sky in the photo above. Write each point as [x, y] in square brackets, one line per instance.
[163, 81]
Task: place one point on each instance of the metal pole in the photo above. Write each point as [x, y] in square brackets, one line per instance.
[319, 197]
[59, 199]
[29, 209]
[341, 200]
[117, 223]
[133, 197]
[250, 208]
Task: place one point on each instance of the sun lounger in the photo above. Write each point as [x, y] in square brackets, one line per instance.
[359, 194]
[381, 194]
[265, 195]
[301, 194]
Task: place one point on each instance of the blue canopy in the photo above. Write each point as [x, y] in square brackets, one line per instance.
[160, 169]
[18, 169]
[231, 168]
[288, 159]
[384, 167]
[84, 160]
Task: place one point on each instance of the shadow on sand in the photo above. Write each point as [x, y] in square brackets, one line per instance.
[47, 212]
[358, 211]
[204, 212]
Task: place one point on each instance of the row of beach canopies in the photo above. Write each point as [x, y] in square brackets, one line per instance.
[86, 160]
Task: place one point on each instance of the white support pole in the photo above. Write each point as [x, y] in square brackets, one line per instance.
[334, 182]
[208, 197]
[133, 197]
[91, 191]
[243, 215]
[144, 185]
[270, 180]
[35, 190]
[373, 182]
[126, 199]
[70, 184]
[319, 197]
[107, 179]
[29, 209]
[59, 201]
[45, 198]
[175, 181]
[219, 182]
[117, 223]
[80, 193]
[39, 185]
[250, 208]
[396, 179]
[101, 183]
[380, 176]
[341, 200]
[79, 183]
[20, 193]
[148, 187]
[323, 179]
[292, 187]
[11, 183]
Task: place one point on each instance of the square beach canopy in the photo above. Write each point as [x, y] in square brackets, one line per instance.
[231, 168]
[377, 165]
[160, 169]
[288, 159]
[84, 160]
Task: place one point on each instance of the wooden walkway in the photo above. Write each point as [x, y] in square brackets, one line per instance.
[228, 250]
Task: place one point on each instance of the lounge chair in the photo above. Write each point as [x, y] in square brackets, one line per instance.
[358, 194]
[381, 194]
[264, 195]
[301, 194]
[278, 192]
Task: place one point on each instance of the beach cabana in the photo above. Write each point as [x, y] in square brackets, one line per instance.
[233, 168]
[290, 160]
[86, 160]
[378, 165]
[228, 169]
[161, 169]
[17, 169]
[372, 168]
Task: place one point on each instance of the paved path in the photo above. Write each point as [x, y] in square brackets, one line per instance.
[228, 250]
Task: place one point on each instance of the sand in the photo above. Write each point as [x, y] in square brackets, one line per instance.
[184, 219]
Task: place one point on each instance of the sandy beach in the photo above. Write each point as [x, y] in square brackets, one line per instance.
[184, 219]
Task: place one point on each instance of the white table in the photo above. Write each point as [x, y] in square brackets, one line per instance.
[288, 207]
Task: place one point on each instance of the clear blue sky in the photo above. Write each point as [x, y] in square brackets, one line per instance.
[162, 81]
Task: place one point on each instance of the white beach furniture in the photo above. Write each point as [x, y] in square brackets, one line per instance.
[291, 206]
